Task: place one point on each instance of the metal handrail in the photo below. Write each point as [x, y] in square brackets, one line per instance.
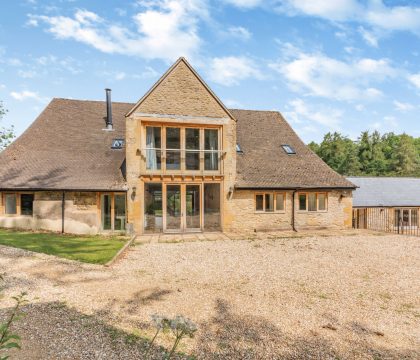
[186, 150]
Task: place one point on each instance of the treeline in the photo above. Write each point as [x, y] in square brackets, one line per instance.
[371, 154]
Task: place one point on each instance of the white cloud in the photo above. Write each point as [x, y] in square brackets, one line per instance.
[300, 113]
[320, 75]
[120, 75]
[27, 74]
[149, 72]
[165, 30]
[373, 13]
[415, 79]
[368, 36]
[239, 32]
[233, 103]
[231, 70]
[26, 94]
[245, 3]
[403, 107]
[337, 10]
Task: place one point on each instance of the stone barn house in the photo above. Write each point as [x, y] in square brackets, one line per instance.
[176, 161]
[390, 204]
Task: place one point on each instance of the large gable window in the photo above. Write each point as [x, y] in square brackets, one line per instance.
[313, 201]
[153, 148]
[182, 148]
[211, 149]
[270, 202]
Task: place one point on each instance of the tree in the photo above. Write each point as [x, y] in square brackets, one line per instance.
[406, 157]
[339, 152]
[6, 135]
[371, 154]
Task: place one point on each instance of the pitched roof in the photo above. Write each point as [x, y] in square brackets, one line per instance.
[264, 163]
[66, 149]
[386, 191]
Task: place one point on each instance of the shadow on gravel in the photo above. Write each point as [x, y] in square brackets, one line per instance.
[231, 336]
[54, 331]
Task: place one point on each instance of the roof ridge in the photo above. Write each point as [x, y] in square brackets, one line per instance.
[87, 100]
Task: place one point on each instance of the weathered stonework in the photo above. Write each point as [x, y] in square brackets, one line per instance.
[181, 93]
[240, 214]
[81, 213]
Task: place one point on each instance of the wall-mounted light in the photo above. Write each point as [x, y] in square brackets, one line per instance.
[230, 193]
[133, 192]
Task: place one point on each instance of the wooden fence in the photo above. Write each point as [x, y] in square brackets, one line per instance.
[403, 221]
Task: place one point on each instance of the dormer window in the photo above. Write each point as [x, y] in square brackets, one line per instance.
[239, 149]
[288, 149]
[117, 144]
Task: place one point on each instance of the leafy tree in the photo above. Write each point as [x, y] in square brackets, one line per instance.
[371, 154]
[339, 152]
[406, 156]
[6, 135]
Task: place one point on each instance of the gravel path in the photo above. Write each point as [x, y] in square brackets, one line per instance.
[316, 298]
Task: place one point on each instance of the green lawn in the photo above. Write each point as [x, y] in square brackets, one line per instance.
[91, 249]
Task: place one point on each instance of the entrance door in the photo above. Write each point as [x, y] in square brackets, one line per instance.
[173, 208]
[192, 208]
[183, 208]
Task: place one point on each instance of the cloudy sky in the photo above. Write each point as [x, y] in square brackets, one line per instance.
[343, 65]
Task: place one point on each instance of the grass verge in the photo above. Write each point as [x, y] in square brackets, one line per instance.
[93, 249]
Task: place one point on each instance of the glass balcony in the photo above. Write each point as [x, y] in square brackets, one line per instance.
[183, 161]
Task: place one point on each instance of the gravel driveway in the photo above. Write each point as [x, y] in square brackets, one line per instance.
[341, 297]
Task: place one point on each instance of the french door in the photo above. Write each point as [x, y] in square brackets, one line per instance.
[183, 210]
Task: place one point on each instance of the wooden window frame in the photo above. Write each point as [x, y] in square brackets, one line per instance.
[182, 127]
[17, 204]
[306, 193]
[274, 193]
[20, 203]
[99, 207]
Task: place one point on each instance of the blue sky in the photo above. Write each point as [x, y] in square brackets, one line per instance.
[342, 65]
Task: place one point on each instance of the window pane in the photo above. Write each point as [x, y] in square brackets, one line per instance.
[173, 141]
[153, 142]
[212, 207]
[211, 142]
[173, 207]
[269, 202]
[312, 202]
[259, 203]
[153, 207]
[106, 211]
[26, 204]
[192, 206]
[192, 145]
[302, 201]
[279, 202]
[119, 212]
[10, 204]
[414, 217]
[397, 215]
[322, 202]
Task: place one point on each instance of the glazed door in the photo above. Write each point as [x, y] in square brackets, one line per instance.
[173, 208]
[192, 208]
[183, 210]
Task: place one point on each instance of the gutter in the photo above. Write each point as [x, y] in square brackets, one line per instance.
[63, 205]
[293, 210]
